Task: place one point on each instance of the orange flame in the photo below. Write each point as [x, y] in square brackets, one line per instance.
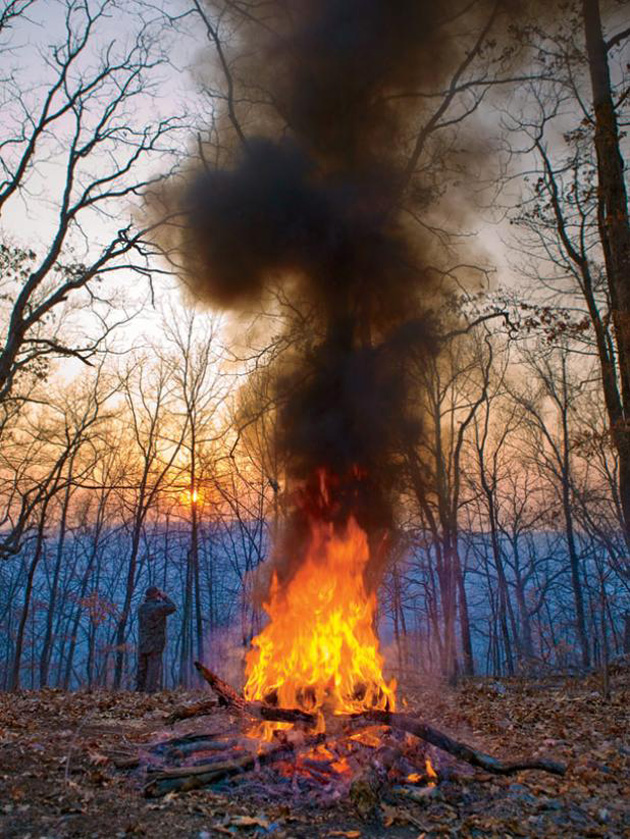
[431, 773]
[320, 649]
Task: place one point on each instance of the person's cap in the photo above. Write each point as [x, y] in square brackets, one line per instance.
[152, 591]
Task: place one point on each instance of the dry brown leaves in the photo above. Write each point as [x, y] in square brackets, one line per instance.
[68, 768]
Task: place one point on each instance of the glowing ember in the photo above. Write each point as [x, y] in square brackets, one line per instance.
[431, 773]
[340, 766]
[370, 736]
[319, 650]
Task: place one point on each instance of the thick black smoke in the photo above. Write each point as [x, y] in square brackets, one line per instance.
[313, 201]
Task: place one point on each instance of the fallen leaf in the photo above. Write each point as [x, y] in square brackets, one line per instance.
[97, 759]
[246, 821]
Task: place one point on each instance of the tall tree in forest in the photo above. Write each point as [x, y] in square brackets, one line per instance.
[199, 389]
[453, 389]
[154, 445]
[577, 210]
[549, 381]
[613, 221]
[76, 142]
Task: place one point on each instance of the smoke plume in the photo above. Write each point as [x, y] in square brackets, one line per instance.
[310, 198]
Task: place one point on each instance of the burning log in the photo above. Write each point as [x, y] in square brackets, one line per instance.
[230, 698]
[186, 778]
[462, 751]
[270, 714]
[403, 722]
[226, 693]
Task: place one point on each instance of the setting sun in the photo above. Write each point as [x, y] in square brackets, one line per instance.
[191, 497]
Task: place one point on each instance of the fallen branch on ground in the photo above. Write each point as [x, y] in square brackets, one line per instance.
[201, 745]
[188, 778]
[220, 768]
[183, 740]
[462, 751]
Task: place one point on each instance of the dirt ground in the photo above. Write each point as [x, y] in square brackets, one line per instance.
[61, 772]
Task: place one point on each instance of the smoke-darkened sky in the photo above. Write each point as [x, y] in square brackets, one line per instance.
[311, 198]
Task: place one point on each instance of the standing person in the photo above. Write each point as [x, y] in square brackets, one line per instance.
[152, 616]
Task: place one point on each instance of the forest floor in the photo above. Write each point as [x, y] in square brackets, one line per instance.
[59, 778]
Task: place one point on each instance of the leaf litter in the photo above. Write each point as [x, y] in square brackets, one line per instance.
[71, 765]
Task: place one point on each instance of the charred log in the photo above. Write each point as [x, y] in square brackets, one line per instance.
[185, 740]
[228, 697]
[234, 701]
[368, 784]
[462, 751]
[186, 778]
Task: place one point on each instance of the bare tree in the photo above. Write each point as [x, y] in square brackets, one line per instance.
[200, 389]
[59, 439]
[452, 389]
[577, 209]
[153, 451]
[555, 387]
[75, 154]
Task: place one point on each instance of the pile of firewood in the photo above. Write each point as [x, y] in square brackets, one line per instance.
[226, 755]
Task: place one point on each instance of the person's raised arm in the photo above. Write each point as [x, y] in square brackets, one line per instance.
[168, 607]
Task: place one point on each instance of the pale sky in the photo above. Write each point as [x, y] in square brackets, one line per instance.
[29, 217]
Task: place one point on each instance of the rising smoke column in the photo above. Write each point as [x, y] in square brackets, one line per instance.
[312, 201]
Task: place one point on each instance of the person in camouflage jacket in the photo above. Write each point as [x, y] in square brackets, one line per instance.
[152, 616]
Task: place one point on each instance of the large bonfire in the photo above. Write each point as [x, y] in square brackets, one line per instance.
[319, 650]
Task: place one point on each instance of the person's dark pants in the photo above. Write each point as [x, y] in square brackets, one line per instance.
[149, 672]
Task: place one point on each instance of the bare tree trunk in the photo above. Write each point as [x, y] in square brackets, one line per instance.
[28, 591]
[98, 526]
[44, 663]
[400, 629]
[186, 651]
[574, 559]
[448, 592]
[121, 628]
[576, 581]
[526, 641]
[605, 647]
[505, 605]
[464, 620]
[194, 552]
[614, 228]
